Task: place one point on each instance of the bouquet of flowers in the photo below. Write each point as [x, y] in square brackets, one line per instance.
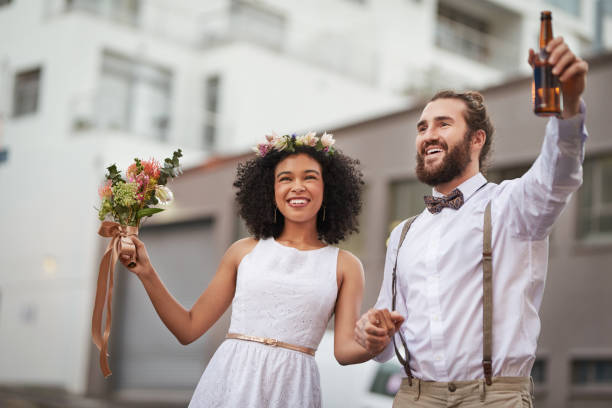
[126, 201]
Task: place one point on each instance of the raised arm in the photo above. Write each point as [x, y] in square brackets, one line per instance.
[189, 325]
[536, 200]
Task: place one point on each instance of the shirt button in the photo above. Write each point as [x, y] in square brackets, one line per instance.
[436, 317]
[452, 387]
[438, 357]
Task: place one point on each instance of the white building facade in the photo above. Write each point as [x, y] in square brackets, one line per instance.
[85, 83]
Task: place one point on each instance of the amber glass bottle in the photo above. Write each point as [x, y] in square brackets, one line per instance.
[546, 88]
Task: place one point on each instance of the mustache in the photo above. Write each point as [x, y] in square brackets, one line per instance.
[437, 142]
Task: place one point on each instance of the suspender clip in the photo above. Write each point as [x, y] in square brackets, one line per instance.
[487, 365]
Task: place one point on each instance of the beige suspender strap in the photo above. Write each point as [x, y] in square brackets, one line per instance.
[487, 297]
[404, 361]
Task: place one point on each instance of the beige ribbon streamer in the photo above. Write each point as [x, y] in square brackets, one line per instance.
[120, 244]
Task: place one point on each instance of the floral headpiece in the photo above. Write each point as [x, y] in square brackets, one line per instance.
[324, 143]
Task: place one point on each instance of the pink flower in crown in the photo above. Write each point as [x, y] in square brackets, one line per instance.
[327, 140]
[105, 190]
[262, 149]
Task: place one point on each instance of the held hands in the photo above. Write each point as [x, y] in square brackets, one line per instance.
[571, 71]
[375, 329]
[142, 267]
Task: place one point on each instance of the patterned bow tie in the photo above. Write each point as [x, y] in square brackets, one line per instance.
[435, 204]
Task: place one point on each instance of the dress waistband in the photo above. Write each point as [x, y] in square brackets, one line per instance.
[271, 342]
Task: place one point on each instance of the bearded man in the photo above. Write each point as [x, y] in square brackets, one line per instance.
[467, 274]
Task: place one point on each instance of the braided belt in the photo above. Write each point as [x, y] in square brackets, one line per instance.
[271, 342]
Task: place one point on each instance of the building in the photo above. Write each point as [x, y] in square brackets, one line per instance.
[85, 83]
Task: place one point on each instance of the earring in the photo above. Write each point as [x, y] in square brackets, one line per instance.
[275, 214]
[323, 214]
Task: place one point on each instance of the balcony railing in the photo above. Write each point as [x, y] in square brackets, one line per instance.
[476, 45]
[217, 23]
[89, 112]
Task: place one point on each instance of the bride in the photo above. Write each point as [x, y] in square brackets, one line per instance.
[298, 196]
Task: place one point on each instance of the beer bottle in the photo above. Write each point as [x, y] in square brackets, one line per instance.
[546, 88]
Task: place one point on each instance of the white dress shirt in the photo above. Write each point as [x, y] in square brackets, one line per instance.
[439, 272]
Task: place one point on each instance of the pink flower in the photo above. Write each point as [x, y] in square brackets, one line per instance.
[263, 149]
[151, 168]
[105, 190]
[131, 172]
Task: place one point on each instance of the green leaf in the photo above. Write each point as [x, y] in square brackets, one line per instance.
[147, 212]
[113, 174]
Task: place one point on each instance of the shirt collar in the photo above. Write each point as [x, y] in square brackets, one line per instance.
[468, 187]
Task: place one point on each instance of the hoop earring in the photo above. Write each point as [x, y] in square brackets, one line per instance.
[323, 214]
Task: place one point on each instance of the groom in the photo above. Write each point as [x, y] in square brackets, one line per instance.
[468, 273]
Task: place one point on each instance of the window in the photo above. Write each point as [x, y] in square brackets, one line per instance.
[388, 379]
[25, 96]
[499, 175]
[123, 11]
[538, 371]
[257, 23]
[595, 201]
[134, 97]
[462, 33]
[569, 6]
[592, 372]
[211, 111]
[406, 200]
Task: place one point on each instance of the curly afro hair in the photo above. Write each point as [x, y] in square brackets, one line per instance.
[343, 185]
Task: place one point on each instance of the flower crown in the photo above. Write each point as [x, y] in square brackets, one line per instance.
[324, 143]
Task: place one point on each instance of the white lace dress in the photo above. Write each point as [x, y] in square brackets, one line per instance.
[281, 293]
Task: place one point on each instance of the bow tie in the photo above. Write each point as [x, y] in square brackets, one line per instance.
[435, 204]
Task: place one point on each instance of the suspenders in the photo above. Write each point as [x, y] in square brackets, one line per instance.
[487, 299]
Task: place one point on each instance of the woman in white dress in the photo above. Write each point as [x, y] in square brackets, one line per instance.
[297, 196]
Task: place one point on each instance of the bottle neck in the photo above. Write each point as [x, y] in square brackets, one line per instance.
[546, 34]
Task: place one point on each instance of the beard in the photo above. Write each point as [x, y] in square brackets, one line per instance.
[453, 164]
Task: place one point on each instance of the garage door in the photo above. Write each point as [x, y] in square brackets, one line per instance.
[144, 354]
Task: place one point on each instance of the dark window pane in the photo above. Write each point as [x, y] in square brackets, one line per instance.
[606, 177]
[499, 175]
[25, 97]
[406, 200]
[592, 371]
[387, 380]
[603, 371]
[538, 372]
[580, 372]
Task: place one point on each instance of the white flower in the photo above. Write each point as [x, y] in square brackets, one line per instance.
[281, 143]
[163, 194]
[309, 139]
[271, 136]
[327, 140]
